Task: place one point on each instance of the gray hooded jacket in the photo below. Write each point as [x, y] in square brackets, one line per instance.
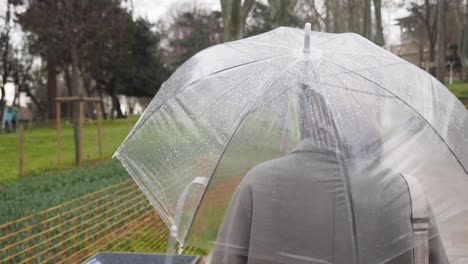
[294, 210]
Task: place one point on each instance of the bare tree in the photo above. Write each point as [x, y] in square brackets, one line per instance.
[316, 18]
[234, 14]
[327, 17]
[67, 29]
[463, 44]
[336, 7]
[442, 7]
[367, 22]
[355, 15]
[428, 14]
[379, 37]
[41, 18]
[5, 48]
[28, 80]
[282, 12]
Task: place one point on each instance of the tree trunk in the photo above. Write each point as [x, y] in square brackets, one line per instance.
[16, 99]
[379, 37]
[432, 69]
[116, 105]
[327, 16]
[463, 45]
[280, 12]
[6, 50]
[2, 99]
[367, 27]
[234, 15]
[30, 95]
[458, 6]
[441, 42]
[421, 52]
[316, 14]
[338, 21]
[115, 101]
[350, 16]
[76, 91]
[51, 82]
[101, 101]
[353, 16]
[68, 108]
[34, 99]
[358, 16]
[87, 86]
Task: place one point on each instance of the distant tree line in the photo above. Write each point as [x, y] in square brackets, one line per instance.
[441, 27]
[96, 48]
[99, 48]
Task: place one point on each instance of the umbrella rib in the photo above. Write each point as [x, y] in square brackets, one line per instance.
[359, 70]
[241, 121]
[320, 83]
[265, 45]
[412, 108]
[146, 116]
[359, 103]
[299, 40]
[358, 91]
[363, 54]
[229, 45]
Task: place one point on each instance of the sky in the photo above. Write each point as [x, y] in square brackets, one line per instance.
[154, 10]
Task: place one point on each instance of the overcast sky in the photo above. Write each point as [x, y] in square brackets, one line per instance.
[155, 9]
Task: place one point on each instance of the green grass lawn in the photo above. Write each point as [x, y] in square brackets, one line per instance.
[40, 147]
[460, 89]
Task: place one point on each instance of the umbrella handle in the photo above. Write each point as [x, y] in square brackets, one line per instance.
[180, 206]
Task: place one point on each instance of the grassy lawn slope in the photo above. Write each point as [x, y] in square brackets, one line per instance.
[40, 147]
[460, 89]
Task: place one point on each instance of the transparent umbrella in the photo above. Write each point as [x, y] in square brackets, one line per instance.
[303, 147]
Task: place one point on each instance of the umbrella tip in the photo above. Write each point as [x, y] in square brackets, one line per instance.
[307, 37]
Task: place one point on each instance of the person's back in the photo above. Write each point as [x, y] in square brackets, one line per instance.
[296, 209]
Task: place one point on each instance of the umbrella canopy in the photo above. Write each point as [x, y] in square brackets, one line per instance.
[239, 104]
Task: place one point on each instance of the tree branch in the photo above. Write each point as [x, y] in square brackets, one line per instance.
[248, 4]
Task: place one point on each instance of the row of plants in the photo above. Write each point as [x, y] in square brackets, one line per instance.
[91, 205]
[72, 233]
[40, 191]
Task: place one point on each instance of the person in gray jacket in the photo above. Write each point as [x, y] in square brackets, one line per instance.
[324, 202]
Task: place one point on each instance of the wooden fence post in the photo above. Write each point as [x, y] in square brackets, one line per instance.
[59, 135]
[21, 152]
[80, 134]
[98, 116]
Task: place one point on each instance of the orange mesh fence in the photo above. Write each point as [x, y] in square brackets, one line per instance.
[116, 218]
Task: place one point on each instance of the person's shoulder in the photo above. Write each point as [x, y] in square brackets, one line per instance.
[267, 169]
